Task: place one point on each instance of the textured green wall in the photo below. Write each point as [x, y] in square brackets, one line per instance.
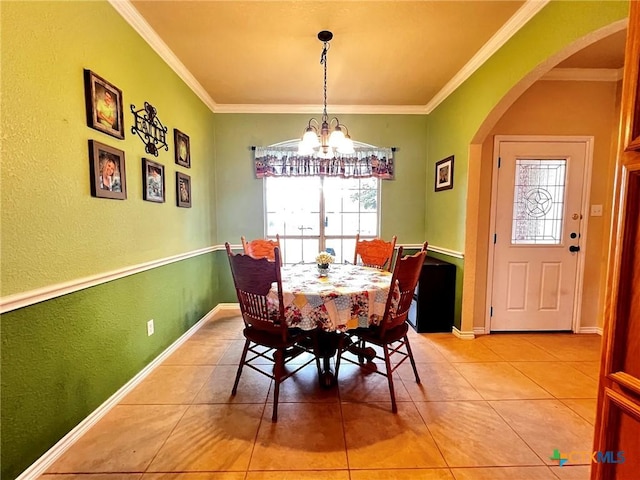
[240, 194]
[64, 357]
[53, 229]
[453, 124]
[61, 359]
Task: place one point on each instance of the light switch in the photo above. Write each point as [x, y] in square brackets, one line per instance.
[596, 210]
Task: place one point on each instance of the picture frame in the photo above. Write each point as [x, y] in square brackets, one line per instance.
[107, 171]
[444, 174]
[104, 105]
[182, 148]
[153, 184]
[183, 190]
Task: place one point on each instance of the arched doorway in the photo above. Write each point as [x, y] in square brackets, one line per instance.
[475, 307]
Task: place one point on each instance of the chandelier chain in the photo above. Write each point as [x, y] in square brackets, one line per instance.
[323, 61]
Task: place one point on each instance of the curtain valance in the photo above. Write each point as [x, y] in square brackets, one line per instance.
[282, 160]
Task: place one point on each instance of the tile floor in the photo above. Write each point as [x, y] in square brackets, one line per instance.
[491, 408]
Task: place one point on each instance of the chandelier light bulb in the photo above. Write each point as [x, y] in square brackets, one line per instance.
[310, 138]
[346, 148]
[337, 137]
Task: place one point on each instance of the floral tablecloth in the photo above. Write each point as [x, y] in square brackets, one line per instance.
[350, 296]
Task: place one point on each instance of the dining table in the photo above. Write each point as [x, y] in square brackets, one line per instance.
[348, 297]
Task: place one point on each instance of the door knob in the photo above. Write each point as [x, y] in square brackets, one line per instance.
[574, 248]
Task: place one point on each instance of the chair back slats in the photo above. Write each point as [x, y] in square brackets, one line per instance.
[261, 247]
[406, 275]
[255, 306]
[375, 252]
[253, 279]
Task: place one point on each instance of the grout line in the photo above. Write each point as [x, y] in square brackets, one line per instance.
[517, 434]
[417, 340]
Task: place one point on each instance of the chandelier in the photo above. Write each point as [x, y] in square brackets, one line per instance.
[325, 138]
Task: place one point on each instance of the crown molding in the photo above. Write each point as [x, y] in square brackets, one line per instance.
[316, 109]
[140, 25]
[515, 23]
[126, 9]
[585, 74]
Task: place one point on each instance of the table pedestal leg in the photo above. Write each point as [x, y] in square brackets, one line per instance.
[328, 346]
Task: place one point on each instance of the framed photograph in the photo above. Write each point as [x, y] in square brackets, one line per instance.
[107, 169]
[104, 105]
[183, 150]
[152, 181]
[183, 188]
[444, 174]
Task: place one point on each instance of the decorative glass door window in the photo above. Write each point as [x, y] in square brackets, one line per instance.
[315, 213]
[538, 201]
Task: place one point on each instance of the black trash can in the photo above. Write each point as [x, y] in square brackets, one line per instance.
[433, 304]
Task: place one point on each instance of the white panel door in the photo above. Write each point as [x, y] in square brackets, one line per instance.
[537, 236]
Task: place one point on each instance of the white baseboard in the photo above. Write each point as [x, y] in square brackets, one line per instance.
[50, 456]
[597, 330]
[224, 310]
[479, 331]
[463, 335]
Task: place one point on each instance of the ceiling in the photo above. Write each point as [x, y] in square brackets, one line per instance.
[401, 56]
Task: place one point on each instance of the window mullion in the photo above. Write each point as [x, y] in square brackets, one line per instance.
[322, 216]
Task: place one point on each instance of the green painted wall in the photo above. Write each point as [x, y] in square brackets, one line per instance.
[453, 124]
[240, 194]
[53, 229]
[63, 358]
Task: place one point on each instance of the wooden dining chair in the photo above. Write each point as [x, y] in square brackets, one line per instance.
[261, 247]
[375, 253]
[391, 332]
[267, 335]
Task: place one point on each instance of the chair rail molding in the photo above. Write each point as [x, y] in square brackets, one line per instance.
[31, 297]
[16, 301]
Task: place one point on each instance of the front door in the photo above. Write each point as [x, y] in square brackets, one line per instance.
[538, 220]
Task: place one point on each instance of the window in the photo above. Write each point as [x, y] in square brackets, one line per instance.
[538, 203]
[315, 213]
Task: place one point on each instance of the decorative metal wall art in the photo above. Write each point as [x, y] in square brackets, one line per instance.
[149, 128]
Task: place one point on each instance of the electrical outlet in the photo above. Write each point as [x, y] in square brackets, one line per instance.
[596, 210]
[150, 328]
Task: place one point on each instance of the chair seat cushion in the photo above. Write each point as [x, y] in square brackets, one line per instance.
[372, 334]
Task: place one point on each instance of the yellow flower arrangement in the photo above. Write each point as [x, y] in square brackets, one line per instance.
[324, 258]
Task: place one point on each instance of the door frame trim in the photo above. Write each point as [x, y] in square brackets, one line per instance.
[586, 196]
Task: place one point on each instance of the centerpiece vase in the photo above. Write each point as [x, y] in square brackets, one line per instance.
[323, 269]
